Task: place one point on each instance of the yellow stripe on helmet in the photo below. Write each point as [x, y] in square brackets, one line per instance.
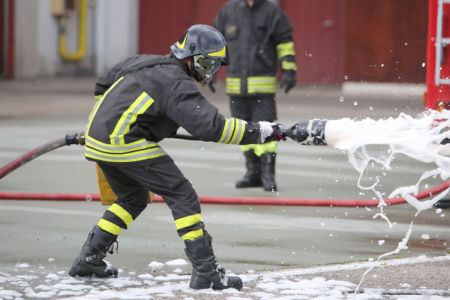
[184, 42]
[218, 53]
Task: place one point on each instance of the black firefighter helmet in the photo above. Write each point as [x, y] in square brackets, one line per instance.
[208, 48]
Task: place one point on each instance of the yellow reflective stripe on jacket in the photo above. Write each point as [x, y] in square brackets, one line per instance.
[138, 150]
[137, 145]
[192, 235]
[261, 84]
[233, 131]
[98, 103]
[120, 212]
[285, 49]
[108, 226]
[139, 106]
[188, 221]
[288, 65]
[233, 85]
[124, 157]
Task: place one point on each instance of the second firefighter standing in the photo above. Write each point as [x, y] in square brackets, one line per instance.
[259, 36]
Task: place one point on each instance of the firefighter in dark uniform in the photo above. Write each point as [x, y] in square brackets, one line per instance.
[257, 34]
[141, 101]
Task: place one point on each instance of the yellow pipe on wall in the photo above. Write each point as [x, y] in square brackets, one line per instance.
[81, 51]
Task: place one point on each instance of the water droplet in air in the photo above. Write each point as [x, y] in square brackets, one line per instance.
[425, 236]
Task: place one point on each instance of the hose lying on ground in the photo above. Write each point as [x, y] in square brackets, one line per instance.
[236, 200]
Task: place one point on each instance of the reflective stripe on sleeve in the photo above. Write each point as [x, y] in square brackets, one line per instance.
[285, 49]
[233, 131]
[288, 65]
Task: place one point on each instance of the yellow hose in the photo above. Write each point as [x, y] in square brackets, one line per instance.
[81, 51]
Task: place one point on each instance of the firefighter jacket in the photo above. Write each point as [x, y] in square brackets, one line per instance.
[256, 36]
[145, 99]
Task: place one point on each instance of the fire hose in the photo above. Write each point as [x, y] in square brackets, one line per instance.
[78, 139]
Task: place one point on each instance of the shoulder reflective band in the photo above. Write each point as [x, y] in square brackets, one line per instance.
[285, 49]
[98, 103]
[261, 84]
[233, 131]
[233, 85]
[288, 65]
[139, 106]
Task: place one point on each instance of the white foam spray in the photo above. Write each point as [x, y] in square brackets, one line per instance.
[418, 137]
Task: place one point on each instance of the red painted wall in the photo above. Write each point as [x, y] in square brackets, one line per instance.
[334, 39]
[162, 22]
[318, 31]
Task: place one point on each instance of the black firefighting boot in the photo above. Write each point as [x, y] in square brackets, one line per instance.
[206, 273]
[90, 261]
[268, 171]
[253, 176]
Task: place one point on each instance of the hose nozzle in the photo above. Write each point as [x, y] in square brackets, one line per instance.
[307, 132]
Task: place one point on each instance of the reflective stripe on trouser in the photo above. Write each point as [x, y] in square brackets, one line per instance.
[132, 182]
[260, 149]
[255, 85]
[190, 224]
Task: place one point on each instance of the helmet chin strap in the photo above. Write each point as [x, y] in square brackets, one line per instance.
[197, 74]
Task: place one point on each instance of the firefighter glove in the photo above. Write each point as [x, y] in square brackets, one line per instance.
[270, 132]
[288, 80]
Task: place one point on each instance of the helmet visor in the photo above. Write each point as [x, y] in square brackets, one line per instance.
[206, 68]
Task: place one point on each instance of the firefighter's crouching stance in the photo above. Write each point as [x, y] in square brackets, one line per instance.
[141, 101]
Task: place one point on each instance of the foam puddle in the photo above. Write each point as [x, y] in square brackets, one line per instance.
[418, 138]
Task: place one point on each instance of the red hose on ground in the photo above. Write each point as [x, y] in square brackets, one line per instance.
[235, 200]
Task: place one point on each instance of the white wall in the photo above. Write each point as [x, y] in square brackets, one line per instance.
[111, 36]
[117, 27]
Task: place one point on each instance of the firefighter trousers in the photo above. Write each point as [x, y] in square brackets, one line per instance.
[132, 182]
